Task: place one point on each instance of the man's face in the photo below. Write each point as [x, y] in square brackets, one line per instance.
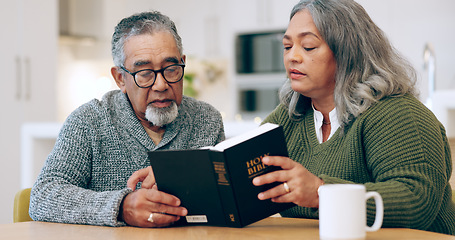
[150, 51]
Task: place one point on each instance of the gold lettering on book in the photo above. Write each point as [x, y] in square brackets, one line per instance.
[255, 166]
[220, 170]
[231, 216]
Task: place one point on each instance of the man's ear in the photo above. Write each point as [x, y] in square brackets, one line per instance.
[119, 79]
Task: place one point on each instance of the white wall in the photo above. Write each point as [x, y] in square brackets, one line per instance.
[410, 24]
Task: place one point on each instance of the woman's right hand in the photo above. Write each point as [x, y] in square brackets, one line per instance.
[299, 186]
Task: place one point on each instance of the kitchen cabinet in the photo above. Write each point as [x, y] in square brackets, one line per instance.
[28, 66]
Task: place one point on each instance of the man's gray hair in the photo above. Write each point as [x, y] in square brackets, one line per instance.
[138, 24]
[368, 67]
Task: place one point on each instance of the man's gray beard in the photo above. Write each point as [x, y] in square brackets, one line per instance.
[161, 116]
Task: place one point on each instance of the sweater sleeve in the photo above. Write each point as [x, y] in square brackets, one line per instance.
[404, 149]
[61, 192]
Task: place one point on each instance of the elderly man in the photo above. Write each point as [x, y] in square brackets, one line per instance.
[103, 142]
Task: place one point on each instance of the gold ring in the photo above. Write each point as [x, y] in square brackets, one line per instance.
[150, 219]
[286, 187]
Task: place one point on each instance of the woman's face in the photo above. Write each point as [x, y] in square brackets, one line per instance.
[309, 62]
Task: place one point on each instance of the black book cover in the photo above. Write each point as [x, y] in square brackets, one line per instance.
[215, 184]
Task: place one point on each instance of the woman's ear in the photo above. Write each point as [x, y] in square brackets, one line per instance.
[119, 78]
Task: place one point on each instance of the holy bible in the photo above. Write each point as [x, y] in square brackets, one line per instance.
[215, 183]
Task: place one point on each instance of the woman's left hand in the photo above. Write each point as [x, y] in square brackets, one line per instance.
[299, 186]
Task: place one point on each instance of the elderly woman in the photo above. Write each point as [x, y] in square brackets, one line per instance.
[350, 115]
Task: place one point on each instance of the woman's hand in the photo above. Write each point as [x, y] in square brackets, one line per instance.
[302, 184]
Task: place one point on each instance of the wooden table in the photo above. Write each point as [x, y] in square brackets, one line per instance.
[270, 228]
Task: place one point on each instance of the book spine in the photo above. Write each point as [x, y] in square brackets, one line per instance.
[225, 190]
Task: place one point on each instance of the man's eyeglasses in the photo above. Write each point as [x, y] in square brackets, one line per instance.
[146, 78]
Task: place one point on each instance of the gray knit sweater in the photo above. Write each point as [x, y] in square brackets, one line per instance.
[99, 146]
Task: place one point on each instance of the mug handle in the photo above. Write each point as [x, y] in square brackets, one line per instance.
[379, 211]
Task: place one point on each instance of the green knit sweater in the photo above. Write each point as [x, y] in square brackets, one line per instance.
[397, 148]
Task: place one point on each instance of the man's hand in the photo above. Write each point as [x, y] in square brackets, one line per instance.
[145, 176]
[138, 205]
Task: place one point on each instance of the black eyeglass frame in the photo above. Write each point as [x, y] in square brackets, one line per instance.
[161, 71]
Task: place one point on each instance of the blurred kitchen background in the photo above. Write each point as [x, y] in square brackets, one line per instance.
[55, 55]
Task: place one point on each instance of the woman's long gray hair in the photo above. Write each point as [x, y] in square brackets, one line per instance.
[141, 23]
[368, 67]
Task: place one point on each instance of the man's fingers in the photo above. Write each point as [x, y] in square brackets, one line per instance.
[137, 177]
[149, 181]
[165, 203]
[161, 197]
[161, 220]
[138, 205]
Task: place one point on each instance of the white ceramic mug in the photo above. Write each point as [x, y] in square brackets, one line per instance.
[342, 211]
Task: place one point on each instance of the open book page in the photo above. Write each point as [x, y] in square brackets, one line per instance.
[243, 137]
